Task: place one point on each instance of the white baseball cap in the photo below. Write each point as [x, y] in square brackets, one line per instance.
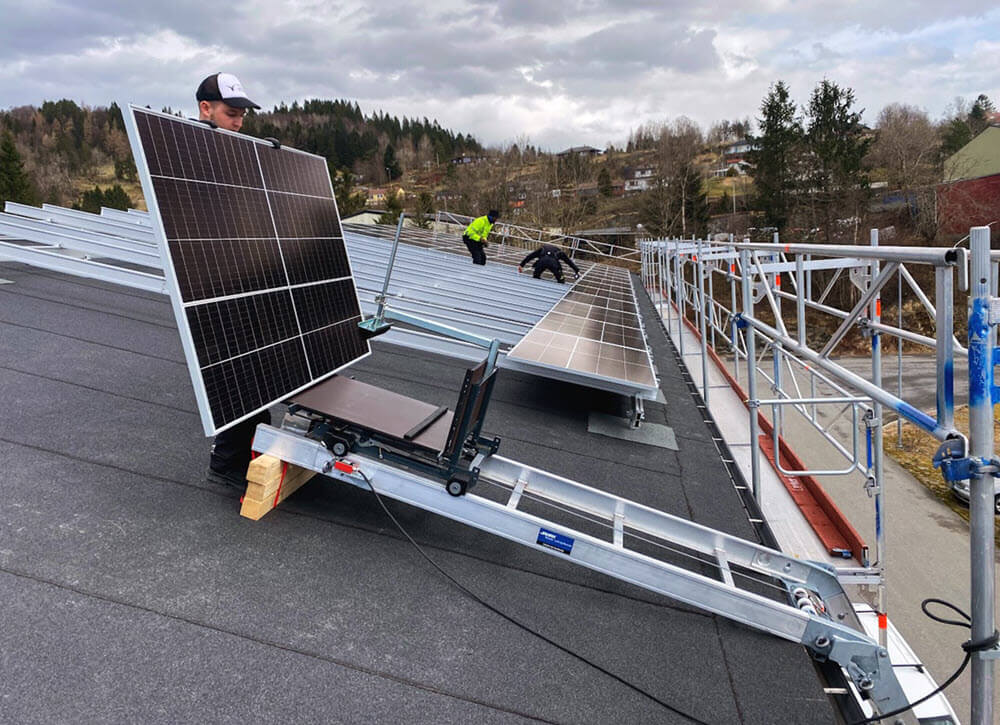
[224, 87]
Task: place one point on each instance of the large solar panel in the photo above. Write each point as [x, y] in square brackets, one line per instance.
[592, 332]
[255, 260]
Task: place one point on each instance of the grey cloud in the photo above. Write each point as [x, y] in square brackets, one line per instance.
[531, 13]
[632, 48]
[414, 55]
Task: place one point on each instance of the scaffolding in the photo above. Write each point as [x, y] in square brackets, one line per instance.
[757, 315]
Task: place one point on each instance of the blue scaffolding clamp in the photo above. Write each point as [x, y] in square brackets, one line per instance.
[956, 466]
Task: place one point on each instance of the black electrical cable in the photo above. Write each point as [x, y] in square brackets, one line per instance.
[479, 600]
[969, 646]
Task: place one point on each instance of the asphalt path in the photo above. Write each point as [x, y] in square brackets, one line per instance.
[927, 544]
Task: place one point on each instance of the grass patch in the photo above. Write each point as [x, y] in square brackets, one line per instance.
[918, 452]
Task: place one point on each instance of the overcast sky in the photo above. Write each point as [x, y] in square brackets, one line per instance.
[559, 72]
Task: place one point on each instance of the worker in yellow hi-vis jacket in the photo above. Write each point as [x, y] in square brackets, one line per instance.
[476, 233]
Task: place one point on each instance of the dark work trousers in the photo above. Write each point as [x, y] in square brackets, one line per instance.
[231, 451]
[475, 249]
[551, 264]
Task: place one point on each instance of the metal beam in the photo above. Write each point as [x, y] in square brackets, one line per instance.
[92, 243]
[852, 317]
[81, 267]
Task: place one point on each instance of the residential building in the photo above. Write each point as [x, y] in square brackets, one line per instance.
[970, 194]
[738, 151]
[639, 178]
[584, 151]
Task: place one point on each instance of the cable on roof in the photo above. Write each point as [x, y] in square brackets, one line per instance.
[969, 646]
[476, 598]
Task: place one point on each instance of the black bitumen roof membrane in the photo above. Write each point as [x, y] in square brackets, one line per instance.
[133, 591]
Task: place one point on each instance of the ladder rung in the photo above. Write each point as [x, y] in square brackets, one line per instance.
[515, 495]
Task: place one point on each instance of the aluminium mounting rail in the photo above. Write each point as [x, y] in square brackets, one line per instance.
[813, 609]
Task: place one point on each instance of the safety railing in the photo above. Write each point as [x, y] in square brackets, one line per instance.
[783, 298]
[528, 238]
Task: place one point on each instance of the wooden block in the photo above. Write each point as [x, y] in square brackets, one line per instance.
[262, 492]
[264, 469]
[264, 487]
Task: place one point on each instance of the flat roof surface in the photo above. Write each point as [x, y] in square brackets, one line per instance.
[133, 590]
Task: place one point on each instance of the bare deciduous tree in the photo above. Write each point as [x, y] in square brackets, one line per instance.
[908, 147]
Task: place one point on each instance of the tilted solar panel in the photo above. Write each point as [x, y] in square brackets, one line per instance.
[593, 332]
[255, 260]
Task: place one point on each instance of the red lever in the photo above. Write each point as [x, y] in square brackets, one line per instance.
[345, 466]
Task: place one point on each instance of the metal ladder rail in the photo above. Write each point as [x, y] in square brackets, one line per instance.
[864, 661]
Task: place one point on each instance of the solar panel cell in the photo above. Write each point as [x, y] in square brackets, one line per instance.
[243, 385]
[267, 319]
[324, 304]
[212, 268]
[312, 260]
[294, 173]
[185, 151]
[332, 347]
[199, 210]
[304, 216]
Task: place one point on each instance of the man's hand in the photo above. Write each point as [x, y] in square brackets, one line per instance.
[519, 269]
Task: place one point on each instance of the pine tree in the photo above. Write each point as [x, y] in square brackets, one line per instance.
[425, 210]
[838, 182]
[15, 185]
[348, 201]
[116, 198]
[393, 208]
[604, 183]
[776, 156]
[390, 163]
[980, 113]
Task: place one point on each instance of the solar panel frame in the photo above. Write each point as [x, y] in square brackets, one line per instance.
[239, 202]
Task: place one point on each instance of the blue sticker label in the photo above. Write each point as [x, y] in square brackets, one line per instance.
[552, 540]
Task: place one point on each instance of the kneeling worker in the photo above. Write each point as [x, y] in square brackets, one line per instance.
[476, 233]
[549, 257]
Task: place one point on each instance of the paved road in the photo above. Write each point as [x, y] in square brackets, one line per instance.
[927, 549]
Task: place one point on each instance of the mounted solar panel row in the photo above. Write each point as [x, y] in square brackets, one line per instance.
[254, 255]
[593, 332]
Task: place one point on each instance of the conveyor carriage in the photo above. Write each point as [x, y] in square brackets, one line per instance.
[347, 415]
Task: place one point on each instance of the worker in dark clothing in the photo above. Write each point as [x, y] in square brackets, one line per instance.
[549, 257]
[476, 233]
[222, 103]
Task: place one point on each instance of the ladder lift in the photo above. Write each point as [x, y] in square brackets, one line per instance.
[429, 457]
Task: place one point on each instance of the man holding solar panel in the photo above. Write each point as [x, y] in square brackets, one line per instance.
[222, 103]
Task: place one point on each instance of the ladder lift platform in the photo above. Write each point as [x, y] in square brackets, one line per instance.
[349, 415]
[429, 457]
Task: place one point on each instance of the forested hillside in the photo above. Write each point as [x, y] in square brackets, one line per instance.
[77, 155]
[378, 147]
[810, 170]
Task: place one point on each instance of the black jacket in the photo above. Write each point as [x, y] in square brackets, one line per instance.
[549, 253]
